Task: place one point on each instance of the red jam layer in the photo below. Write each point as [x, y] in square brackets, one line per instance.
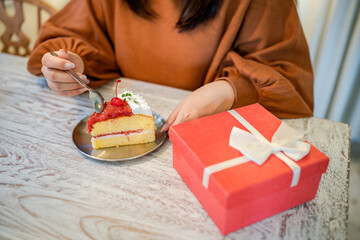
[109, 112]
[126, 133]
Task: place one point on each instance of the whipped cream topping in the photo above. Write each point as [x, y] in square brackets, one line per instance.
[136, 102]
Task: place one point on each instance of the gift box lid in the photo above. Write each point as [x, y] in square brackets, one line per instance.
[205, 142]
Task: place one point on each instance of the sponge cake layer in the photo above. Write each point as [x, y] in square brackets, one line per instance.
[123, 139]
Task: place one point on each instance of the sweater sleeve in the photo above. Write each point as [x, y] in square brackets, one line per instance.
[80, 28]
[269, 62]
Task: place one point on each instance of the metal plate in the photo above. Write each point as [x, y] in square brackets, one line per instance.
[82, 141]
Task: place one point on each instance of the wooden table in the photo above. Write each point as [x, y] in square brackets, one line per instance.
[48, 190]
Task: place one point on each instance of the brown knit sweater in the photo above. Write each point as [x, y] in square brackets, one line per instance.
[256, 45]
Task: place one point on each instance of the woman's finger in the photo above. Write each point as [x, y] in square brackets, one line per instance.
[70, 93]
[185, 115]
[56, 75]
[58, 86]
[171, 118]
[174, 114]
[55, 62]
[182, 114]
[61, 81]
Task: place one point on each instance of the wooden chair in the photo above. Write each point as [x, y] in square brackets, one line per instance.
[14, 37]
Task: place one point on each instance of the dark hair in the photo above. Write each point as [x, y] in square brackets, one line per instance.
[192, 12]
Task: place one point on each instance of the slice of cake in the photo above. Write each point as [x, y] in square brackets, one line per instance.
[127, 119]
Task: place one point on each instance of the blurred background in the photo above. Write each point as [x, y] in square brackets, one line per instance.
[332, 29]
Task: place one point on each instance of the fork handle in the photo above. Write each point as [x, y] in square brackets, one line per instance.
[72, 73]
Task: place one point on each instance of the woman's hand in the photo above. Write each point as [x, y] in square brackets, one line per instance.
[57, 79]
[209, 99]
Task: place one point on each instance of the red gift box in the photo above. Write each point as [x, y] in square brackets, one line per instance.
[242, 193]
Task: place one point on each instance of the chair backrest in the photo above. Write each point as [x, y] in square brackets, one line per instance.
[14, 37]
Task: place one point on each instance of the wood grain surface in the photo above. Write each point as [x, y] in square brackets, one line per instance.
[48, 190]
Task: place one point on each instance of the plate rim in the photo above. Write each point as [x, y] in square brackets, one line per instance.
[122, 159]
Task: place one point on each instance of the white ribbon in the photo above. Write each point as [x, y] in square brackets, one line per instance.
[286, 142]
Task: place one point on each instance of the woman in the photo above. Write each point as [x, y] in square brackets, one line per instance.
[231, 53]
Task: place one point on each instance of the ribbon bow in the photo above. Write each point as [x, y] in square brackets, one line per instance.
[286, 144]
[258, 149]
